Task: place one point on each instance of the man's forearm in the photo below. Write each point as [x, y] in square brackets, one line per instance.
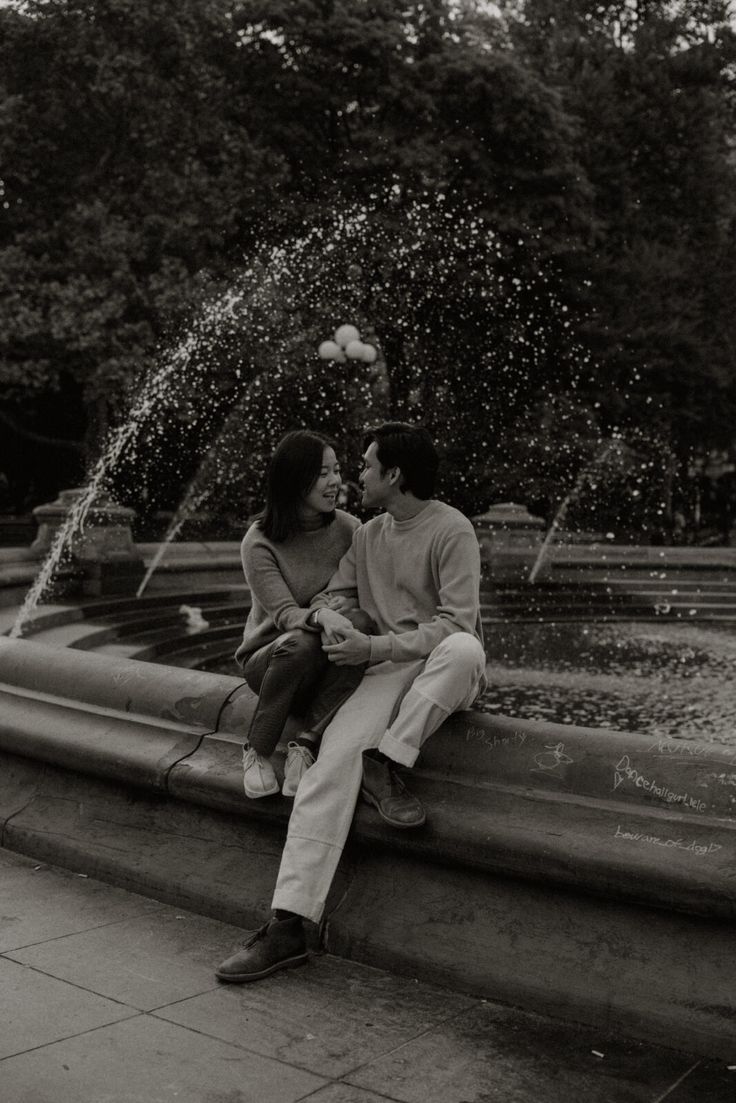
[400, 647]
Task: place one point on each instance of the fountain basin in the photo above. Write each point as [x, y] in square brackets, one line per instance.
[564, 869]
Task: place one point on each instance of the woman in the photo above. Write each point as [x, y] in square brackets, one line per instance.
[289, 554]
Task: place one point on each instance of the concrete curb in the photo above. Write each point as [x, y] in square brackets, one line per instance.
[564, 869]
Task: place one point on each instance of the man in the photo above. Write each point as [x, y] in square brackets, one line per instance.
[415, 570]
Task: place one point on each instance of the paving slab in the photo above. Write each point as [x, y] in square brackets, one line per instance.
[708, 1083]
[146, 1060]
[330, 1016]
[36, 1009]
[494, 1054]
[346, 1093]
[38, 902]
[144, 962]
[75, 1024]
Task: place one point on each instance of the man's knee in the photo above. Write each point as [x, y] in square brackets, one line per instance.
[465, 651]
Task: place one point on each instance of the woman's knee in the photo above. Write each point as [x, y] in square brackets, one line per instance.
[297, 644]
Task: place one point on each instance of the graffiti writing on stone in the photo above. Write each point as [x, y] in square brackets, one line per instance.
[702, 850]
[491, 740]
[551, 762]
[624, 770]
[723, 779]
[553, 757]
[684, 750]
[676, 751]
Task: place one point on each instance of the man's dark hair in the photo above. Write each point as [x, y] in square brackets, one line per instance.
[410, 448]
[294, 468]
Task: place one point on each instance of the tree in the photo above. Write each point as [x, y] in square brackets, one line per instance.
[652, 85]
[153, 144]
[129, 167]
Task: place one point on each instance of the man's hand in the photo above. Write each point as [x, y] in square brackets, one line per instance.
[353, 649]
[339, 603]
[333, 625]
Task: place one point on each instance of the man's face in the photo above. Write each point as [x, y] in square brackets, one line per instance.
[377, 485]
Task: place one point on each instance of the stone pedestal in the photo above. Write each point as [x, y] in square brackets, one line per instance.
[104, 547]
[510, 538]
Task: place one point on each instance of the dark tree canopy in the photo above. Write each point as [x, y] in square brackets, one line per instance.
[570, 271]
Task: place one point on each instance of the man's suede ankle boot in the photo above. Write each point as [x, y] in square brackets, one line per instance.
[279, 944]
[383, 788]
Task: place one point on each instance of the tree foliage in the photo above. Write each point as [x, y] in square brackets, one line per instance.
[652, 86]
[572, 165]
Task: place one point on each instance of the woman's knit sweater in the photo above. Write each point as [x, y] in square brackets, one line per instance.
[284, 577]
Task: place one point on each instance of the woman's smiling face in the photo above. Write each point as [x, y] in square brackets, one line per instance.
[322, 495]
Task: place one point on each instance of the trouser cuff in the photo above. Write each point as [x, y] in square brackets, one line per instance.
[398, 751]
[284, 901]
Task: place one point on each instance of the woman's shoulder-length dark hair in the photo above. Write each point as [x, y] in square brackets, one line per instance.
[293, 469]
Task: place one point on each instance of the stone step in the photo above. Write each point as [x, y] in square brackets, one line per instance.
[159, 643]
[593, 612]
[610, 589]
[119, 609]
[142, 630]
[200, 656]
[639, 573]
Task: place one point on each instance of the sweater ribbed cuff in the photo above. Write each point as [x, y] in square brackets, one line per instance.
[380, 649]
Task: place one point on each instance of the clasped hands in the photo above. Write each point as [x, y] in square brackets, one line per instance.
[343, 644]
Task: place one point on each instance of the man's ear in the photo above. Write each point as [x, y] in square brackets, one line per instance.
[395, 476]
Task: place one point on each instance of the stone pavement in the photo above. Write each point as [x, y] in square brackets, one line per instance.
[109, 997]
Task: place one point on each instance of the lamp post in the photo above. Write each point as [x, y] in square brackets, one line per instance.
[347, 345]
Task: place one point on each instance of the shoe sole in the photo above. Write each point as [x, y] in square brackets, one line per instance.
[243, 978]
[387, 819]
[290, 791]
[261, 793]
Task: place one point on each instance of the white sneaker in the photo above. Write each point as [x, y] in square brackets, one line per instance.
[298, 760]
[259, 780]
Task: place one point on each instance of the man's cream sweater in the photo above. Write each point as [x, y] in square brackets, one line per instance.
[419, 580]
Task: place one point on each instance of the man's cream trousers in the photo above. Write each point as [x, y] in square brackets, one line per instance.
[396, 707]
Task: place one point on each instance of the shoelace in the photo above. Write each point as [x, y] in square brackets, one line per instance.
[250, 758]
[397, 786]
[298, 751]
[257, 935]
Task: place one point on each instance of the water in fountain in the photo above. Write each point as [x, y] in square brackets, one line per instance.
[583, 479]
[203, 484]
[154, 397]
[318, 281]
[189, 504]
[462, 340]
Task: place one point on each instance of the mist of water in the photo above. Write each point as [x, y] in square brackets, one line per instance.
[346, 268]
[581, 482]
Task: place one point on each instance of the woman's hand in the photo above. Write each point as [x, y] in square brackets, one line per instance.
[332, 624]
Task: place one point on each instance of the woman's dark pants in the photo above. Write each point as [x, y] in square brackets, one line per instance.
[293, 675]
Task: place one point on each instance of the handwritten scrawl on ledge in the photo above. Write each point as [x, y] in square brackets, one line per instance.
[701, 849]
[624, 770]
[551, 762]
[491, 740]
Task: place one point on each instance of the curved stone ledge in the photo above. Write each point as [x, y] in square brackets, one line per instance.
[546, 857]
[190, 698]
[604, 812]
[109, 717]
[623, 849]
